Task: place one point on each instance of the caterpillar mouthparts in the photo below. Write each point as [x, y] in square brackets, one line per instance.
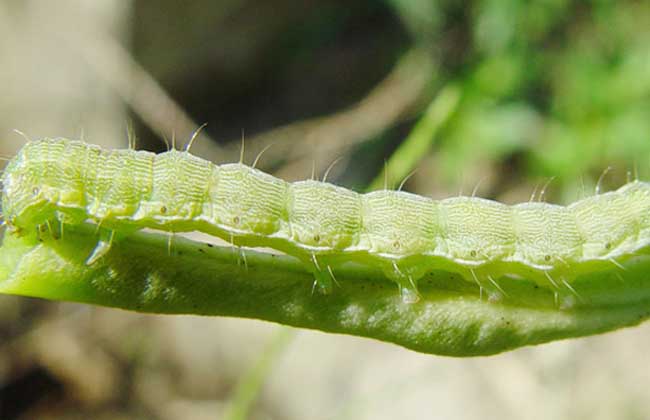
[60, 181]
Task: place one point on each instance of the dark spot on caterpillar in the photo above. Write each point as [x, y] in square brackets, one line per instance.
[210, 246]
[201, 250]
[316, 238]
[163, 209]
[35, 191]
[396, 245]
[236, 220]
[608, 245]
[472, 253]
[547, 258]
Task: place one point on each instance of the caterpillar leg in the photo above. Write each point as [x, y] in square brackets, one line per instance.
[241, 253]
[565, 296]
[106, 238]
[241, 259]
[406, 282]
[323, 279]
[40, 229]
[53, 234]
[488, 285]
[170, 240]
[570, 299]
[53, 228]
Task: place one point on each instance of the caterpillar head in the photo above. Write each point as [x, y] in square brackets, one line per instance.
[24, 198]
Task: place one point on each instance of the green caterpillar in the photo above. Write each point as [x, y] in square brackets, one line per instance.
[121, 191]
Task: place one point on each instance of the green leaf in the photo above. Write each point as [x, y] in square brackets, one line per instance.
[451, 319]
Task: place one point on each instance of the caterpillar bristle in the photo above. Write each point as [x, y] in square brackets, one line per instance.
[130, 136]
[23, 135]
[617, 264]
[259, 155]
[478, 283]
[329, 269]
[572, 290]
[242, 149]
[313, 170]
[329, 168]
[406, 178]
[167, 146]
[601, 178]
[194, 136]
[542, 193]
[496, 285]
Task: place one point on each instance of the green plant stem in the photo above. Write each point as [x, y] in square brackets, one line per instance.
[139, 274]
[251, 383]
[416, 145]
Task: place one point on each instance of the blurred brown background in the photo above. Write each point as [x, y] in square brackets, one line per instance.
[550, 88]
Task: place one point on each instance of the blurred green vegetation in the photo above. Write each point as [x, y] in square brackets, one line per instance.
[561, 86]
[550, 88]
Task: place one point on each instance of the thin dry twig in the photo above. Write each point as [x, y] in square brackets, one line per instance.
[137, 88]
[399, 94]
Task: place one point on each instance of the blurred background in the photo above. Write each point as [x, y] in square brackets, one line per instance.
[503, 98]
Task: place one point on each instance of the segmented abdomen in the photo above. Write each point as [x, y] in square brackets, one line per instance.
[320, 223]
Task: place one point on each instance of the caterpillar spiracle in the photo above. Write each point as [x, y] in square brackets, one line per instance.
[406, 235]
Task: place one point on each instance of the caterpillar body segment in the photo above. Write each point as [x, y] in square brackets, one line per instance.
[324, 225]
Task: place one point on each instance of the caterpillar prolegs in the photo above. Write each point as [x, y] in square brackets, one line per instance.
[70, 182]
